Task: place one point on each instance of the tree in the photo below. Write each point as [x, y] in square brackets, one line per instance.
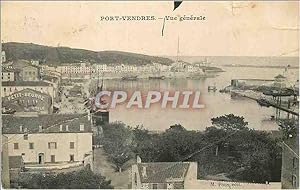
[289, 127]
[83, 179]
[117, 143]
[145, 144]
[230, 122]
[176, 127]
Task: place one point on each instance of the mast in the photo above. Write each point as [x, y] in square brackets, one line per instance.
[177, 58]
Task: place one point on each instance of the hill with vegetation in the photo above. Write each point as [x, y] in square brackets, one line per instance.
[58, 55]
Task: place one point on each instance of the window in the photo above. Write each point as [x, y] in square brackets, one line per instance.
[52, 158]
[25, 136]
[81, 127]
[71, 145]
[135, 178]
[295, 162]
[4, 89]
[16, 145]
[154, 186]
[52, 145]
[71, 157]
[31, 146]
[294, 181]
[170, 186]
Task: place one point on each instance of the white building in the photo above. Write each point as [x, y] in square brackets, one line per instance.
[43, 139]
[75, 70]
[191, 69]
[8, 74]
[35, 62]
[3, 57]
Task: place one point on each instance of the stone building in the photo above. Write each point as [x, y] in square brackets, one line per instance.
[162, 175]
[30, 73]
[290, 164]
[51, 140]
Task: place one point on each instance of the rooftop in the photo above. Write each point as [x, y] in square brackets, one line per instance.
[50, 123]
[7, 69]
[25, 83]
[50, 78]
[160, 172]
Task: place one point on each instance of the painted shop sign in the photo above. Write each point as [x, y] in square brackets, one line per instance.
[28, 100]
[25, 94]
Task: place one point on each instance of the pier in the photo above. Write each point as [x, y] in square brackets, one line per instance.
[267, 103]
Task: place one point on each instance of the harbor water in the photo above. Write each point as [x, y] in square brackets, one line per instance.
[216, 103]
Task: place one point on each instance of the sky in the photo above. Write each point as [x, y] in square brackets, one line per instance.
[230, 29]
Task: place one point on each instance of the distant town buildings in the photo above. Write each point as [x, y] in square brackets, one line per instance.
[90, 71]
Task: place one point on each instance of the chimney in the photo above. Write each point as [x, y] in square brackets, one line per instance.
[144, 172]
[81, 127]
[89, 115]
[40, 128]
[138, 159]
[21, 128]
[67, 127]
[60, 128]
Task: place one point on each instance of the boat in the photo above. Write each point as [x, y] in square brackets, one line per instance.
[129, 78]
[201, 76]
[157, 77]
[212, 88]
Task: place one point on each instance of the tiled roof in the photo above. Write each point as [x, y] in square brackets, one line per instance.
[6, 69]
[49, 122]
[25, 83]
[28, 90]
[160, 172]
[15, 162]
[49, 78]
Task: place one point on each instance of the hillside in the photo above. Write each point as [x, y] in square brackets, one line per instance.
[58, 55]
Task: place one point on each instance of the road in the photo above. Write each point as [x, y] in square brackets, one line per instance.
[105, 168]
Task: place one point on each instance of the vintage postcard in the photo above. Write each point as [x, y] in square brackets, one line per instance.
[150, 94]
